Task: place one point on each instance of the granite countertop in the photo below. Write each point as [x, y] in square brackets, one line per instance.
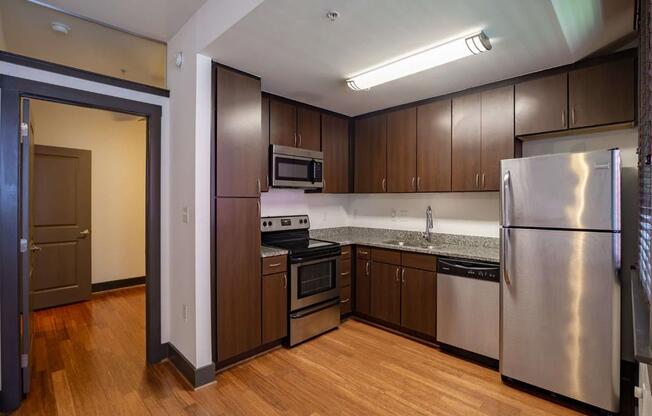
[449, 245]
[266, 251]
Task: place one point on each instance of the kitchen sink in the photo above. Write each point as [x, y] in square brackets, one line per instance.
[396, 243]
[423, 244]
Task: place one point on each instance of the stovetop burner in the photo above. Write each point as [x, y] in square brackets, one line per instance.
[292, 234]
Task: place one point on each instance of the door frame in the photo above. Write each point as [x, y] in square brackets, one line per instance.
[12, 89]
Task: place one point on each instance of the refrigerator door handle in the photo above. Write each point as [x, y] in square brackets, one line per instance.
[505, 259]
[506, 182]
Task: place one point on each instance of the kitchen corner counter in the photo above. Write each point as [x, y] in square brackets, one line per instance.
[266, 251]
[447, 245]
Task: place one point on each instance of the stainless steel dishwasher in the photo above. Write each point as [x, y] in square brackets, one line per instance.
[468, 306]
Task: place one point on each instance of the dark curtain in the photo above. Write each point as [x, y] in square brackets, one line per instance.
[644, 146]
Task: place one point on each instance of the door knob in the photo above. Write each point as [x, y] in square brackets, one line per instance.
[84, 234]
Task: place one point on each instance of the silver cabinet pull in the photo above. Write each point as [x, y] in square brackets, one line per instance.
[258, 203]
[396, 276]
[84, 234]
[347, 300]
[363, 252]
[384, 183]
[344, 273]
[403, 276]
[477, 180]
[366, 268]
[299, 139]
[285, 280]
[258, 186]
[418, 182]
[34, 248]
[274, 265]
[295, 139]
[573, 116]
[482, 180]
[345, 253]
[563, 118]
[414, 183]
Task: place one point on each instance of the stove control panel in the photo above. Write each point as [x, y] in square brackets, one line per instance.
[289, 223]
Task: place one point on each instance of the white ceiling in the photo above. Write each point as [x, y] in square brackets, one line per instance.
[157, 19]
[301, 54]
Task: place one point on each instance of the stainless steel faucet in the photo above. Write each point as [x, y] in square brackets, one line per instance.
[429, 224]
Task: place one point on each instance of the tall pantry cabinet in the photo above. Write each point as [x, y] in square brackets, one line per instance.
[238, 182]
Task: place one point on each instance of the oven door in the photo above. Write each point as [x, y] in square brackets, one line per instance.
[296, 172]
[314, 281]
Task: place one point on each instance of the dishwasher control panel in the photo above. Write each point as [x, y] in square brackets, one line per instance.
[468, 268]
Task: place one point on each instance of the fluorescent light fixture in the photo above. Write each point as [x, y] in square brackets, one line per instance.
[441, 54]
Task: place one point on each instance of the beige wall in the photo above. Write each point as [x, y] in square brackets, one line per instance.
[3, 44]
[117, 143]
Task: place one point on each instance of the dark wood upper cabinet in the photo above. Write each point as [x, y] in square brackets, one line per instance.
[335, 145]
[541, 105]
[371, 154]
[308, 129]
[282, 123]
[497, 134]
[386, 292]
[274, 307]
[602, 94]
[434, 147]
[402, 150]
[238, 134]
[362, 286]
[264, 143]
[466, 143]
[238, 273]
[418, 300]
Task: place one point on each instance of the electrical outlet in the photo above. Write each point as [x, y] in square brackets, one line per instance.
[393, 214]
[184, 312]
[402, 215]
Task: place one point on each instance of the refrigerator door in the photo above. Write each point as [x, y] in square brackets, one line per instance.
[564, 191]
[560, 313]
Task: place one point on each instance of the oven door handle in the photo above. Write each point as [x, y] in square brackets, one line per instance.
[308, 260]
[316, 308]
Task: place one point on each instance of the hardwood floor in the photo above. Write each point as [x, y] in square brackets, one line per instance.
[89, 358]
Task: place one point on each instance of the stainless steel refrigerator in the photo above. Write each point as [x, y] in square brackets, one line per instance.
[560, 290]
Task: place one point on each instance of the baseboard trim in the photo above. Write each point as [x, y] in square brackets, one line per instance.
[197, 377]
[117, 284]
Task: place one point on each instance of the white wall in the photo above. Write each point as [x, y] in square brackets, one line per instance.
[190, 124]
[3, 43]
[118, 180]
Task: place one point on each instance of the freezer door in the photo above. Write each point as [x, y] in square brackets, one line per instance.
[568, 191]
[560, 313]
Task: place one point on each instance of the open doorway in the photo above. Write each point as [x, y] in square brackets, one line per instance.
[18, 153]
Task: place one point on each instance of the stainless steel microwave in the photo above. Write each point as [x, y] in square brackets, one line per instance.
[292, 167]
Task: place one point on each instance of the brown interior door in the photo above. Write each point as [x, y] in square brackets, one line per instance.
[466, 143]
[418, 300]
[434, 147]
[402, 150]
[309, 129]
[386, 292]
[61, 225]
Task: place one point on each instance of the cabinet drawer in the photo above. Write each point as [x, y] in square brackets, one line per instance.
[363, 252]
[345, 300]
[276, 264]
[420, 261]
[345, 273]
[386, 256]
[346, 252]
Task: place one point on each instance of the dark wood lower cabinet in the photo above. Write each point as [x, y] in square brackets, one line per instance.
[386, 292]
[238, 294]
[345, 300]
[362, 286]
[275, 316]
[418, 301]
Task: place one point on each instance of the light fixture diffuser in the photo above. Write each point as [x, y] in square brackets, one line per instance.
[474, 44]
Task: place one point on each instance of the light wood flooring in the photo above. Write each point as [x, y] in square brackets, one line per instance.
[89, 358]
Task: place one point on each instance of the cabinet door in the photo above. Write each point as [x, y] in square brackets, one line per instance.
[237, 144]
[402, 150]
[434, 147]
[497, 134]
[466, 143]
[238, 276]
[282, 123]
[264, 145]
[335, 145]
[371, 154]
[386, 292]
[362, 286]
[308, 129]
[602, 94]
[541, 105]
[418, 300]
[275, 312]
